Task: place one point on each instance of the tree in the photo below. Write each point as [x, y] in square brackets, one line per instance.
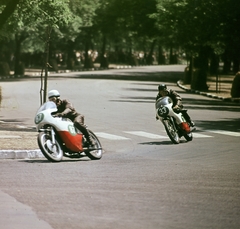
[200, 27]
[125, 24]
[85, 10]
[8, 11]
[39, 18]
[55, 13]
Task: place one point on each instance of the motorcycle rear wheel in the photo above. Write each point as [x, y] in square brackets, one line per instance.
[52, 152]
[171, 131]
[97, 151]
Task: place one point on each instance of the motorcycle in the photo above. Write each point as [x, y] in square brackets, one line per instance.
[175, 124]
[59, 137]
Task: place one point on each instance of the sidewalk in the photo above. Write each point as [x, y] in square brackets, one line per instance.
[218, 88]
[22, 143]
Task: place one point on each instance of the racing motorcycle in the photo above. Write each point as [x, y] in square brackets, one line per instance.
[59, 137]
[175, 124]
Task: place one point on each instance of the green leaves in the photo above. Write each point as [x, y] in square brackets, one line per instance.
[191, 24]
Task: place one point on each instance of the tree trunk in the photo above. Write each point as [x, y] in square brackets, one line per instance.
[18, 65]
[103, 57]
[161, 56]
[199, 78]
[235, 90]
[71, 56]
[88, 60]
[236, 62]
[226, 62]
[8, 11]
[214, 64]
[150, 55]
[171, 61]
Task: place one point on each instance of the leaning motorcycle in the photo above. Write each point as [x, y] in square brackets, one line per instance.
[59, 137]
[175, 124]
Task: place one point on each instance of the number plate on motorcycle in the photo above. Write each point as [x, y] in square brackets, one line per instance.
[39, 118]
[163, 111]
[72, 130]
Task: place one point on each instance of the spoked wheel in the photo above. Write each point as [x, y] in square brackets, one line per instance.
[171, 131]
[52, 152]
[96, 152]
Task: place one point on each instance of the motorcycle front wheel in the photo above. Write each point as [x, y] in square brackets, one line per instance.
[171, 131]
[97, 151]
[52, 152]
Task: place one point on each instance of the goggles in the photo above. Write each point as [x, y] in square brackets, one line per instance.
[54, 99]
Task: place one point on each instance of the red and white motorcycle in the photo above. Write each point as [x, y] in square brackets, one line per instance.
[175, 124]
[58, 137]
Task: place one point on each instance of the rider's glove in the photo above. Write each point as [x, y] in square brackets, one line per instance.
[176, 108]
[59, 115]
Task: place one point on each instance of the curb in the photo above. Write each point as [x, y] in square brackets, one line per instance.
[227, 99]
[21, 154]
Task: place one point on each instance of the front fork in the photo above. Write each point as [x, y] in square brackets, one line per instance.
[172, 121]
[50, 130]
[53, 136]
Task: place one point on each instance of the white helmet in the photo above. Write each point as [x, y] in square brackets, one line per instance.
[53, 93]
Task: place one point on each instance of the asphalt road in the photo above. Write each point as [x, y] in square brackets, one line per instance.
[143, 180]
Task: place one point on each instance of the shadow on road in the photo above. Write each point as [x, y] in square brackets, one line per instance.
[137, 76]
[228, 125]
[85, 159]
[161, 142]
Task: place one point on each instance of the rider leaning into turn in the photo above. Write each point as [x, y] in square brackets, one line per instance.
[66, 109]
[177, 101]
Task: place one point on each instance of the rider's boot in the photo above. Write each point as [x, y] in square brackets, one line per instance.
[187, 117]
[192, 124]
[90, 142]
[82, 128]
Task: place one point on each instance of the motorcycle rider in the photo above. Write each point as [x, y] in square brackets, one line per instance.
[66, 109]
[177, 101]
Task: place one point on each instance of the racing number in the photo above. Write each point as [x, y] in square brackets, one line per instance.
[72, 130]
[162, 111]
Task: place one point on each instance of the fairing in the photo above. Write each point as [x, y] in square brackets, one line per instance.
[64, 127]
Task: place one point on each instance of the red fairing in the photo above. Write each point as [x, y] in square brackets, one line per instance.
[72, 142]
[184, 126]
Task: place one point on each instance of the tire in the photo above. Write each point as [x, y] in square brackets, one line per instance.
[171, 131]
[95, 154]
[188, 137]
[52, 152]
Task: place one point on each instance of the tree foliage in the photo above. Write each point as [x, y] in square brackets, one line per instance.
[201, 28]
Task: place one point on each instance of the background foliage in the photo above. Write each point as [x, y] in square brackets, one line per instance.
[79, 33]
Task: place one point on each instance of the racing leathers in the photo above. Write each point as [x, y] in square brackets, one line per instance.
[66, 109]
[177, 104]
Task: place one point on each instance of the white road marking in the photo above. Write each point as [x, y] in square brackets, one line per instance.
[110, 136]
[224, 132]
[197, 135]
[9, 136]
[145, 134]
[157, 136]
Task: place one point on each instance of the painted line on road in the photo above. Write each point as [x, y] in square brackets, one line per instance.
[230, 133]
[197, 135]
[9, 136]
[145, 134]
[110, 136]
